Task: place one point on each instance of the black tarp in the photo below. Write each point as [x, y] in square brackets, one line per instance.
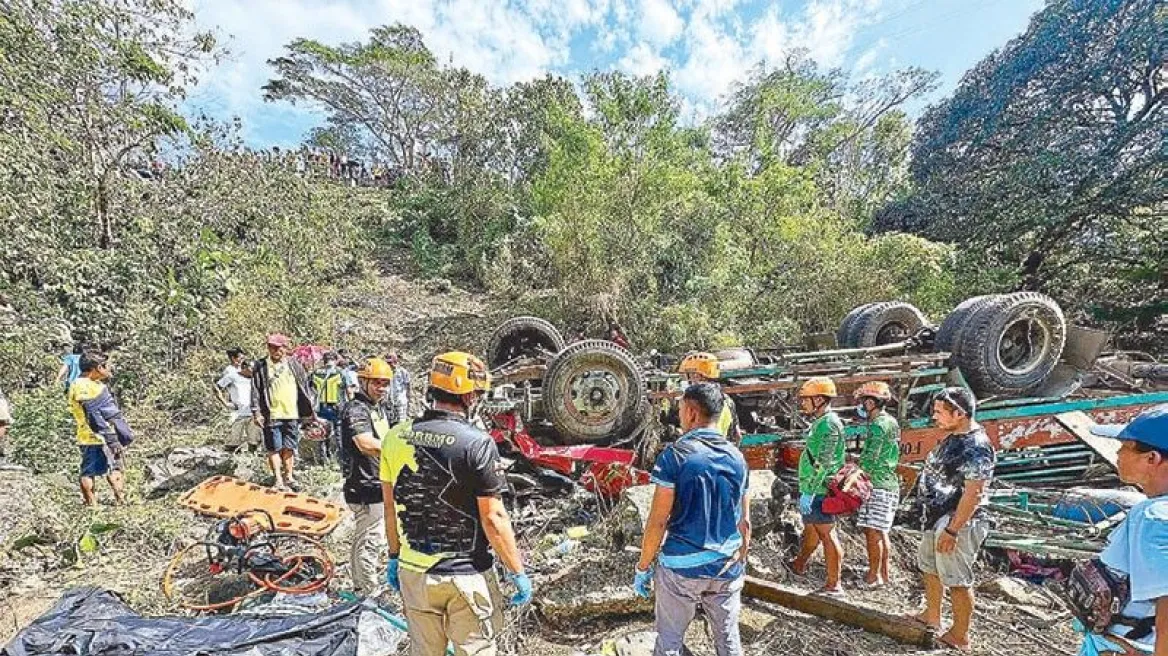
[96, 622]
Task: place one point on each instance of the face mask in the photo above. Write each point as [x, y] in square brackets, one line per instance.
[862, 411]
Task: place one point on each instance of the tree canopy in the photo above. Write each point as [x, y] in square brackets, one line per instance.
[1051, 156]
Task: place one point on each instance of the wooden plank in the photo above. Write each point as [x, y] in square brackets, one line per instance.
[1079, 424]
[898, 628]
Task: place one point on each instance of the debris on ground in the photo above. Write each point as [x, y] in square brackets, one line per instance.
[186, 467]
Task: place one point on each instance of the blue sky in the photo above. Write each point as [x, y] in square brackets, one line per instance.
[705, 44]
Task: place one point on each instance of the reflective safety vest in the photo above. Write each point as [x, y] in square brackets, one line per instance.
[726, 420]
[329, 387]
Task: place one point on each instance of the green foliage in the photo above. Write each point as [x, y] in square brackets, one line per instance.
[42, 434]
[1049, 158]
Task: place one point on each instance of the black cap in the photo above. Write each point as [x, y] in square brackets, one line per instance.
[960, 398]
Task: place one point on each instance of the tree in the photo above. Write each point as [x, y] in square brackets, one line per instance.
[99, 81]
[390, 89]
[1052, 152]
[854, 134]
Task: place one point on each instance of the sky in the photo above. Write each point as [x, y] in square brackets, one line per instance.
[706, 45]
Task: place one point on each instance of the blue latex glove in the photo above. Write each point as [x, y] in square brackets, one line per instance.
[805, 501]
[642, 582]
[522, 588]
[391, 576]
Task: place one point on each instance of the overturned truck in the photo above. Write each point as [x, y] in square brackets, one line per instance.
[592, 409]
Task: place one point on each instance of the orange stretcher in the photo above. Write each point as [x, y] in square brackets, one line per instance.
[224, 496]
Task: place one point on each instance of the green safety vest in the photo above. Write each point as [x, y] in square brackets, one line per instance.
[328, 387]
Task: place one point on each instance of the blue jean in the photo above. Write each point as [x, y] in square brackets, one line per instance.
[677, 600]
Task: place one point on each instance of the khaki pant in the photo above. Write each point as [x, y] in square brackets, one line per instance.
[366, 557]
[244, 432]
[464, 609]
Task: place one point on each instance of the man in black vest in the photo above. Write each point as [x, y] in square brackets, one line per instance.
[365, 420]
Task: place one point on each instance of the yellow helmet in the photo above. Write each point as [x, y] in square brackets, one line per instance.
[703, 364]
[376, 369]
[459, 373]
[875, 389]
[820, 386]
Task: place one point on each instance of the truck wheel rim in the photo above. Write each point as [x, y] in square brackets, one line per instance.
[594, 396]
[1023, 345]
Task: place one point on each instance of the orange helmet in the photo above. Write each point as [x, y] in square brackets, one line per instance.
[459, 373]
[376, 369]
[821, 386]
[875, 389]
[703, 364]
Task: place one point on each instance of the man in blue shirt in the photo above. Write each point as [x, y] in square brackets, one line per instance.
[1138, 547]
[700, 500]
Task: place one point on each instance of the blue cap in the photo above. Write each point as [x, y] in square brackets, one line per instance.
[1150, 427]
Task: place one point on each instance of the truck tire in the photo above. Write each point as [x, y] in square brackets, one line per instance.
[950, 330]
[887, 323]
[593, 393]
[843, 336]
[1011, 344]
[522, 336]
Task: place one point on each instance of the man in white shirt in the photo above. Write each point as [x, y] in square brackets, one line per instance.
[234, 391]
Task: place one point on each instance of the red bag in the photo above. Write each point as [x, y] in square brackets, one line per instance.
[847, 491]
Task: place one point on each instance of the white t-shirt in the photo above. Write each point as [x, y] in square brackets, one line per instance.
[238, 388]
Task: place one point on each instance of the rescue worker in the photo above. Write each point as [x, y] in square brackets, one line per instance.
[1138, 547]
[443, 477]
[704, 368]
[878, 458]
[328, 382]
[365, 421]
[822, 458]
[102, 431]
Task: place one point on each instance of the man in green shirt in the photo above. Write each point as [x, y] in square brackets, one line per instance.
[822, 457]
[879, 458]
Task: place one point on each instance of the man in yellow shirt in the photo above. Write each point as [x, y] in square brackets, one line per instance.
[280, 402]
[102, 432]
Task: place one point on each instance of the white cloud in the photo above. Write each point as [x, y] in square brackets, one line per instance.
[659, 21]
[709, 44]
[642, 60]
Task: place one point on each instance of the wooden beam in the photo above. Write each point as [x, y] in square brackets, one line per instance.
[898, 628]
[1079, 424]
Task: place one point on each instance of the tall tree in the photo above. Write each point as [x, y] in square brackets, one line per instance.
[99, 81]
[854, 134]
[391, 89]
[1052, 152]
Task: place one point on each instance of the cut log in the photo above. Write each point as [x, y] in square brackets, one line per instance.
[898, 628]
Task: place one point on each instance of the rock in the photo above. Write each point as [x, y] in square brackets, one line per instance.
[593, 589]
[629, 517]
[184, 468]
[764, 515]
[1016, 591]
[19, 514]
[636, 644]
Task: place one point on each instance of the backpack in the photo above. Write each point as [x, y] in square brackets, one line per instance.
[847, 490]
[1096, 594]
